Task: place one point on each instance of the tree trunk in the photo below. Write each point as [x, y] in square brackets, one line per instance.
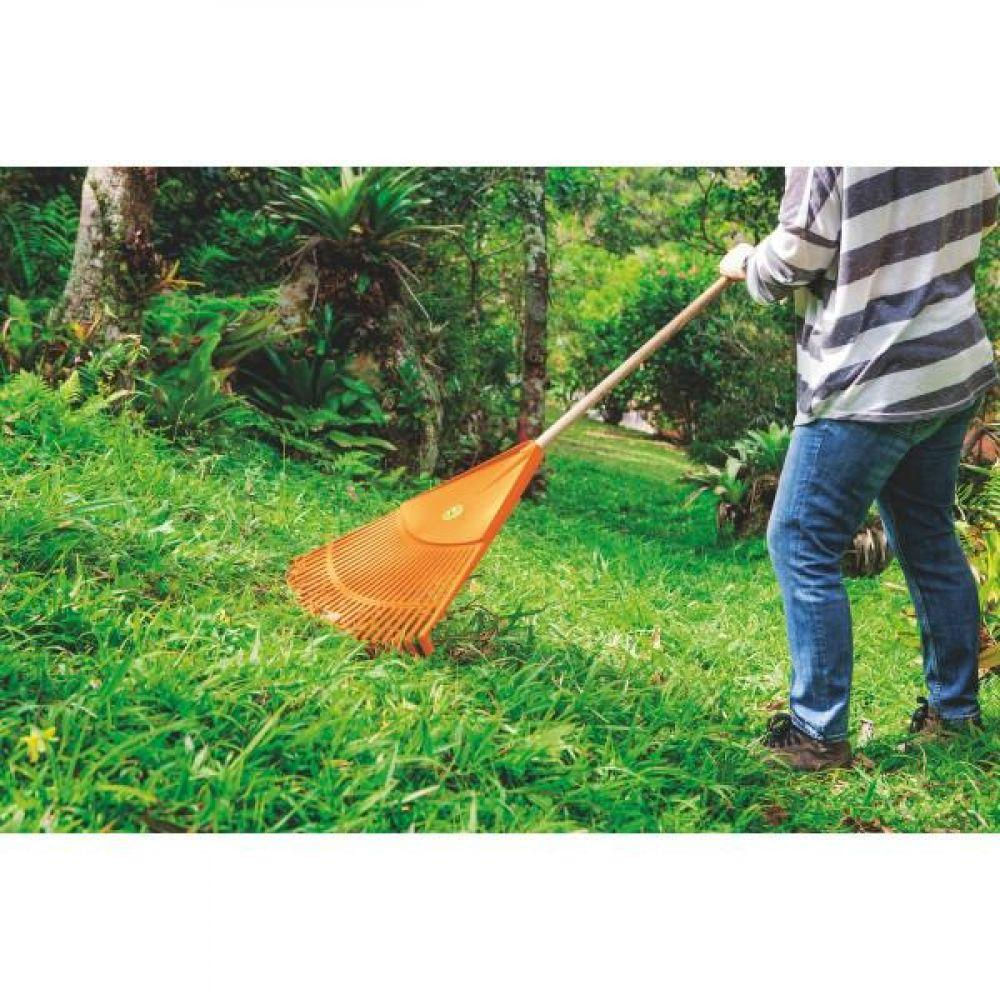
[534, 346]
[536, 306]
[475, 265]
[297, 296]
[114, 264]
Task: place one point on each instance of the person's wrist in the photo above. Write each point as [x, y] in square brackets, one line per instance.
[734, 264]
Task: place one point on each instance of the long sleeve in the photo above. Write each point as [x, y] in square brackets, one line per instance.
[807, 238]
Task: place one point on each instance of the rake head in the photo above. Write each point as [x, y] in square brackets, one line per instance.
[390, 582]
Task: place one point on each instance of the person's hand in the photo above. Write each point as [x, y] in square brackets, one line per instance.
[733, 265]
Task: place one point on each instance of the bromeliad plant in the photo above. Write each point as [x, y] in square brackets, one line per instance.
[766, 450]
[358, 229]
[746, 482]
[728, 483]
[307, 389]
[359, 233]
[370, 213]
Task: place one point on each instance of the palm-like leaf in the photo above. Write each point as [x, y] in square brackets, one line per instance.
[766, 450]
[362, 211]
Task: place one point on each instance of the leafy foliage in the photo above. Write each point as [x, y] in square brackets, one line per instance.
[176, 324]
[765, 450]
[36, 246]
[745, 487]
[243, 250]
[317, 406]
[728, 483]
[725, 372]
[189, 396]
[371, 214]
[211, 221]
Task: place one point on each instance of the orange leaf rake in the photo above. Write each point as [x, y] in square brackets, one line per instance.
[391, 581]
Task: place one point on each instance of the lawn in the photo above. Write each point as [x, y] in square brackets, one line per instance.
[608, 668]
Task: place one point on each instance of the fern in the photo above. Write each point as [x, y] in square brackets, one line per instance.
[36, 246]
[987, 503]
[71, 391]
[979, 494]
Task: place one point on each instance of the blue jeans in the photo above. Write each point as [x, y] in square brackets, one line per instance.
[833, 472]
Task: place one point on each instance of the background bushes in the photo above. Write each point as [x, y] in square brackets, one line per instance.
[730, 370]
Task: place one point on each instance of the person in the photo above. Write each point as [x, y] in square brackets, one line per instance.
[892, 362]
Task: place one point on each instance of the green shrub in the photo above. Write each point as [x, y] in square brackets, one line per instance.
[211, 221]
[188, 396]
[314, 401]
[176, 323]
[729, 370]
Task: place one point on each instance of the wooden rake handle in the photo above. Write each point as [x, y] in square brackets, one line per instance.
[592, 398]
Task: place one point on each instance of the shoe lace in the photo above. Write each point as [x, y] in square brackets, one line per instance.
[919, 718]
[781, 732]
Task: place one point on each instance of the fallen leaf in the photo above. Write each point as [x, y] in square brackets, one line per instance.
[865, 825]
[655, 639]
[774, 815]
[156, 825]
[866, 732]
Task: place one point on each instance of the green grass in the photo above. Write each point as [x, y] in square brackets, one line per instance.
[607, 669]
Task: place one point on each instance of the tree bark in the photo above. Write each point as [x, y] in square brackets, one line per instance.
[114, 264]
[534, 357]
[475, 266]
[297, 296]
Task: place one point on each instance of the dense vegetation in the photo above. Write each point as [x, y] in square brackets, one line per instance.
[269, 357]
[415, 281]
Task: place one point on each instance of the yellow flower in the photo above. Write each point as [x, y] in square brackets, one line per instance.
[38, 741]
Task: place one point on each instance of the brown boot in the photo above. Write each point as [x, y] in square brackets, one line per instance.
[792, 747]
[927, 723]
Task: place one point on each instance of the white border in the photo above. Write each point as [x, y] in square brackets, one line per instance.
[504, 916]
[453, 82]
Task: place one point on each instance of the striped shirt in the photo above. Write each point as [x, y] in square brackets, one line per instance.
[882, 262]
